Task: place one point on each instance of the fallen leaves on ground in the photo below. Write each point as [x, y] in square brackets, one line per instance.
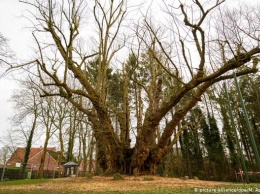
[99, 184]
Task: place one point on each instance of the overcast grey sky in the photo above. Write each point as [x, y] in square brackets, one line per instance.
[12, 27]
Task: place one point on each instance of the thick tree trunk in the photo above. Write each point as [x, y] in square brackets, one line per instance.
[29, 145]
[84, 149]
[72, 132]
[60, 157]
[109, 149]
[91, 151]
[125, 139]
[110, 159]
[43, 156]
[147, 154]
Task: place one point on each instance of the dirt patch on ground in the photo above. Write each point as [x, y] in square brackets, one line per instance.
[103, 184]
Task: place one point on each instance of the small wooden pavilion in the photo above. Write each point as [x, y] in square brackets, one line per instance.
[70, 169]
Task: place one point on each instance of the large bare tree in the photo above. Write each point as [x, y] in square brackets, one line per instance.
[195, 55]
[26, 105]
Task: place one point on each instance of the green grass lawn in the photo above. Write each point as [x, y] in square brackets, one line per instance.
[24, 182]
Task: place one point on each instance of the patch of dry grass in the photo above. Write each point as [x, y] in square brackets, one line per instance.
[105, 184]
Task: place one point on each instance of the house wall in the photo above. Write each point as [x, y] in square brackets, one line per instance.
[34, 159]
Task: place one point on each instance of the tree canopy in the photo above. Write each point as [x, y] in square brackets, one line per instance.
[135, 80]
